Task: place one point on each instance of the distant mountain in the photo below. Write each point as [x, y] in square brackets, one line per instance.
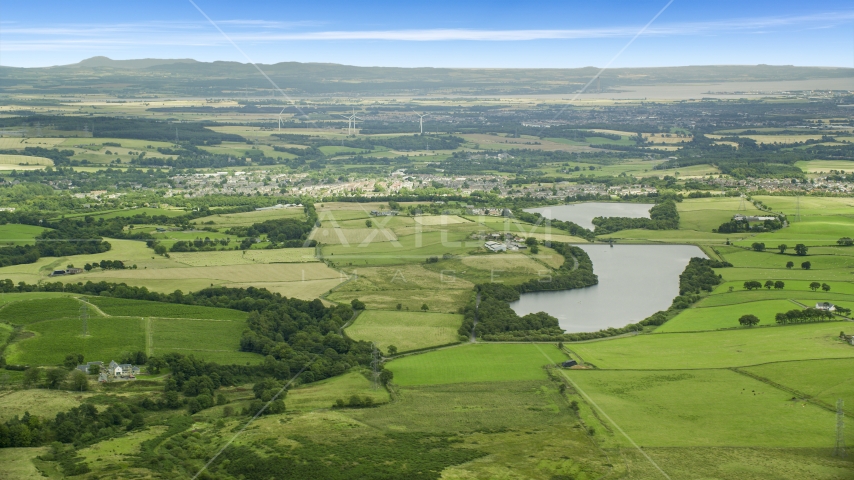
[99, 62]
[145, 77]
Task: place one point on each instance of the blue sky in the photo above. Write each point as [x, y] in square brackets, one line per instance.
[438, 33]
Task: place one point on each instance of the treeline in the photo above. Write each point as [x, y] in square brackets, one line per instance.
[494, 315]
[808, 315]
[663, 216]
[738, 226]
[195, 133]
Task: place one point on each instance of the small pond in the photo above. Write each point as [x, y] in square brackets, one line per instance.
[635, 281]
[584, 213]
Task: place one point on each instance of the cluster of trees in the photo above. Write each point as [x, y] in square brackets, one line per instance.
[807, 315]
[748, 320]
[845, 242]
[698, 276]
[738, 226]
[198, 245]
[663, 216]
[81, 426]
[805, 265]
[107, 265]
[769, 284]
[284, 232]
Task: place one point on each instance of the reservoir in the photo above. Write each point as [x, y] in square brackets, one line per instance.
[584, 213]
[635, 281]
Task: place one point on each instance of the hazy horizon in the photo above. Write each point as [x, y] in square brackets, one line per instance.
[474, 34]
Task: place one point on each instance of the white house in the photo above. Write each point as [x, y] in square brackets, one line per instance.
[115, 369]
[825, 306]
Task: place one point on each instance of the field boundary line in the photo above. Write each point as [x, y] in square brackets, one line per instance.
[590, 400]
[807, 398]
[149, 338]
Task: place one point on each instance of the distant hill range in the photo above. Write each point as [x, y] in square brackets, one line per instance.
[145, 77]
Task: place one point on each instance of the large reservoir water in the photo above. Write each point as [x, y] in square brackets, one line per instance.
[635, 281]
[584, 213]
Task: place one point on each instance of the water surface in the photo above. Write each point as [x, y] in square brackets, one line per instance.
[584, 213]
[635, 281]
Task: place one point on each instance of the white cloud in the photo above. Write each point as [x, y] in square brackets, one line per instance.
[112, 36]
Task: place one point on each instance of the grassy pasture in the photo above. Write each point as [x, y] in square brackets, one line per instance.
[140, 308]
[411, 300]
[704, 408]
[108, 339]
[825, 380]
[833, 276]
[817, 166]
[213, 340]
[18, 463]
[323, 394]
[797, 290]
[245, 219]
[712, 318]
[439, 219]
[705, 214]
[809, 206]
[306, 290]
[355, 237]
[405, 330]
[249, 257]
[44, 403]
[407, 249]
[718, 349]
[815, 230]
[474, 363]
[15, 234]
[226, 274]
[27, 312]
[6, 298]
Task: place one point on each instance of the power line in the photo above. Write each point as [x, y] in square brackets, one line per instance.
[839, 451]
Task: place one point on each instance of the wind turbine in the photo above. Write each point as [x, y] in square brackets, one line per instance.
[421, 121]
[349, 122]
[354, 120]
[280, 117]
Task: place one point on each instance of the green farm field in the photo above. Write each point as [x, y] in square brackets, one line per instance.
[713, 318]
[16, 234]
[824, 380]
[718, 349]
[120, 307]
[26, 312]
[405, 330]
[323, 394]
[212, 340]
[713, 408]
[52, 340]
[474, 363]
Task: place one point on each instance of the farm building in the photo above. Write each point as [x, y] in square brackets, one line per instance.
[85, 367]
[67, 271]
[569, 363]
[826, 306]
[495, 247]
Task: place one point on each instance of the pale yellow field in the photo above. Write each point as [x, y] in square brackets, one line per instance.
[506, 262]
[444, 301]
[306, 290]
[405, 330]
[250, 257]
[550, 257]
[249, 274]
[817, 166]
[400, 277]
[555, 237]
[439, 220]
[24, 160]
[5, 167]
[352, 236]
[44, 403]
